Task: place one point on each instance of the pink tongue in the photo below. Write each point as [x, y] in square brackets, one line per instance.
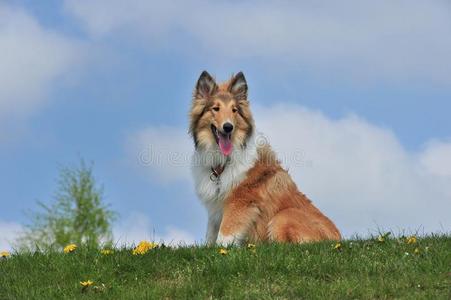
[225, 145]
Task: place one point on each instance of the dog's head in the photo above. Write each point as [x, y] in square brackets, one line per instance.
[220, 115]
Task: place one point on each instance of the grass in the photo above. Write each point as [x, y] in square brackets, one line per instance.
[359, 269]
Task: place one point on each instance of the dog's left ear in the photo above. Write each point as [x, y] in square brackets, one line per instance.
[238, 86]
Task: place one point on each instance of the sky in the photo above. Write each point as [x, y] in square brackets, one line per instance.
[354, 97]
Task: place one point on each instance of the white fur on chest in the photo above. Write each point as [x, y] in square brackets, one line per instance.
[213, 193]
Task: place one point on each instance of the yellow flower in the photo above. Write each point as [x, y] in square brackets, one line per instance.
[250, 246]
[86, 283]
[381, 238]
[106, 251]
[416, 251]
[5, 254]
[411, 240]
[70, 248]
[223, 251]
[143, 247]
[337, 246]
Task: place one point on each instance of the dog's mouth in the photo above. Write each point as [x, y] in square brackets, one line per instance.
[224, 140]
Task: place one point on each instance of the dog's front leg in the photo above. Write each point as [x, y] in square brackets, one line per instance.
[237, 218]
[214, 220]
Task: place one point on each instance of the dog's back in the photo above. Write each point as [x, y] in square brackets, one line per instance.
[268, 205]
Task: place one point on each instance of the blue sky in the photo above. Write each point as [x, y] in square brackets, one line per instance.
[105, 81]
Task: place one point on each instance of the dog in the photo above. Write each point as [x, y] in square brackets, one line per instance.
[248, 195]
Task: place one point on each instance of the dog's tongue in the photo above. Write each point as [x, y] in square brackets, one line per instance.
[225, 145]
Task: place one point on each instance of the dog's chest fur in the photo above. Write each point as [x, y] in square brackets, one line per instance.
[212, 193]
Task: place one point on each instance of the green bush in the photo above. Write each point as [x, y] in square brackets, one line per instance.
[77, 215]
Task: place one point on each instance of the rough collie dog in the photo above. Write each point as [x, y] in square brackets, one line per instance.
[248, 195]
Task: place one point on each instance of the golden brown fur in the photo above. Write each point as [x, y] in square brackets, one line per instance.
[268, 204]
[265, 205]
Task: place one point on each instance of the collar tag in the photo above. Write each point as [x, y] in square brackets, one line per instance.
[214, 177]
[217, 171]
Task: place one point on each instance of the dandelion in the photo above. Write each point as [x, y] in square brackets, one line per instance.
[416, 251]
[143, 247]
[381, 238]
[5, 254]
[86, 283]
[106, 251]
[70, 248]
[223, 251]
[411, 240]
[251, 247]
[337, 246]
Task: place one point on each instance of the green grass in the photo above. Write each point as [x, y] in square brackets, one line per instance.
[362, 269]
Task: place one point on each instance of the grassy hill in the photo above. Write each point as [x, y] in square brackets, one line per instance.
[357, 269]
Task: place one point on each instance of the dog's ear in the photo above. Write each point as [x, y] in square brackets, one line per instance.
[206, 86]
[238, 86]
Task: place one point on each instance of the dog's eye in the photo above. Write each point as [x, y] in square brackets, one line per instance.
[216, 108]
[234, 110]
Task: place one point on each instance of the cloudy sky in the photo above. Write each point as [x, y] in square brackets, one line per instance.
[355, 97]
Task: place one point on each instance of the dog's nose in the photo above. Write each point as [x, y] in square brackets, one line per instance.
[227, 127]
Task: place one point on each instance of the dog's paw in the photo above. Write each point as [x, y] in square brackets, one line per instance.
[226, 240]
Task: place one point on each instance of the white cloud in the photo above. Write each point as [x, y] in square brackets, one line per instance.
[356, 172]
[137, 227]
[391, 40]
[436, 158]
[32, 59]
[9, 232]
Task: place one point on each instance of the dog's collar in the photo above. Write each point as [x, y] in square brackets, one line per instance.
[218, 170]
